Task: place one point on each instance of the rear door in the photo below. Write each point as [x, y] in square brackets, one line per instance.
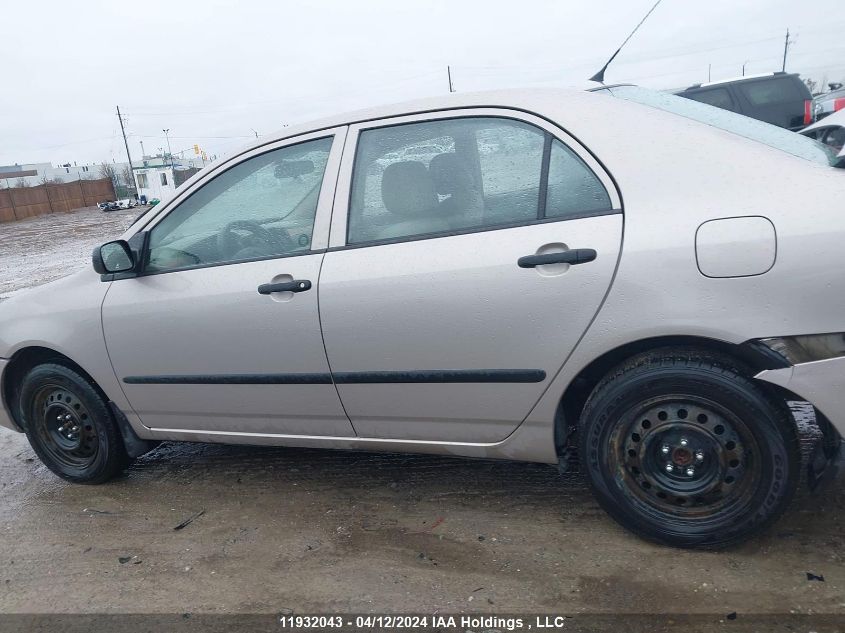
[433, 328]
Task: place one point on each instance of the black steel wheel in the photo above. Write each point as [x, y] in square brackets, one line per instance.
[69, 425]
[683, 448]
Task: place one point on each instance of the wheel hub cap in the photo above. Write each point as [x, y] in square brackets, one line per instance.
[65, 427]
[682, 455]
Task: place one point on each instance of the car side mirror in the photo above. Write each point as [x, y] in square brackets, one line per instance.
[113, 257]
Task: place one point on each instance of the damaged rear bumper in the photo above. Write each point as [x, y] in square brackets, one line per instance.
[821, 383]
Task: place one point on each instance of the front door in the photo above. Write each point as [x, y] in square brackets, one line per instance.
[221, 332]
[434, 328]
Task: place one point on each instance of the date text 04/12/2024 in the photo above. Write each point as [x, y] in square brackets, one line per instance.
[394, 621]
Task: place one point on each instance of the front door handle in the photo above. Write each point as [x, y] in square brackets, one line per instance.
[297, 285]
[575, 256]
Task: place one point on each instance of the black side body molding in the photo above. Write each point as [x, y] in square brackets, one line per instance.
[350, 377]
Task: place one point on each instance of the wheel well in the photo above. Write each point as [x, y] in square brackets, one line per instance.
[24, 360]
[752, 355]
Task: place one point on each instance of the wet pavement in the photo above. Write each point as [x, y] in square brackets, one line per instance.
[37, 250]
[315, 531]
[278, 530]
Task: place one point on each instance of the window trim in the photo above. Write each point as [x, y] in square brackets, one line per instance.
[322, 217]
[343, 194]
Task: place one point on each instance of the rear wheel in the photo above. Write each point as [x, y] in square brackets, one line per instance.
[70, 427]
[682, 448]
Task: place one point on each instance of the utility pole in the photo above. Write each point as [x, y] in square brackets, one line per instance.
[743, 67]
[167, 136]
[126, 145]
[786, 44]
[709, 66]
[143, 153]
[449, 75]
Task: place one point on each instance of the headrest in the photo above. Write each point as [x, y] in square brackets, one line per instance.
[450, 174]
[407, 189]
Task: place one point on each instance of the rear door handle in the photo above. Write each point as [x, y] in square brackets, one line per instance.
[575, 256]
[297, 285]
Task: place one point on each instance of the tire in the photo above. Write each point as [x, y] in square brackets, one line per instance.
[70, 427]
[683, 449]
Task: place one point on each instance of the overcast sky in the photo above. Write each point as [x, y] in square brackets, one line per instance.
[215, 71]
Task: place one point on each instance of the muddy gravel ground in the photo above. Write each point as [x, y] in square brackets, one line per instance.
[197, 529]
[41, 249]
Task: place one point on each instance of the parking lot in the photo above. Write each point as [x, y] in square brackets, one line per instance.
[224, 529]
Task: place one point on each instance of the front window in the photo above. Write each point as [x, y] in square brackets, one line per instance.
[262, 207]
[163, 179]
[771, 135]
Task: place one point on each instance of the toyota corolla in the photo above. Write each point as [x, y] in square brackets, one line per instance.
[638, 280]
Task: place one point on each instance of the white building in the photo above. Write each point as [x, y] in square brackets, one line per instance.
[158, 176]
[32, 174]
[153, 174]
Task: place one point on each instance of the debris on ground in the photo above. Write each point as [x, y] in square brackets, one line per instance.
[189, 520]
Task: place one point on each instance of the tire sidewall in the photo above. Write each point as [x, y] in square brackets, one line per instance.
[605, 410]
[108, 458]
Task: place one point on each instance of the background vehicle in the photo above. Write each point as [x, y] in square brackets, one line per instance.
[474, 303]
[781, 99]
[830, 131]
[828, 103]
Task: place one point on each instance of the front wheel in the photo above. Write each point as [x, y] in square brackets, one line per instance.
[69, 425]
[683, 449]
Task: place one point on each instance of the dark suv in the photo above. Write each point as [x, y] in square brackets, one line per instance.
[778, 98]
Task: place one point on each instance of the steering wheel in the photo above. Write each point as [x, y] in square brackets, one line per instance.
[258, 240]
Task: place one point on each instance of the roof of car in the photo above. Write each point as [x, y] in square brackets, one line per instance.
[510, 98]
[833, 94]
[719, 82]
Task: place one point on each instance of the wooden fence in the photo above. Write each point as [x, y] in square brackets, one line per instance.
[25, 202]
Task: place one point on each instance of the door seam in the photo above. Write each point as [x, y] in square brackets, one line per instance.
[319, 285]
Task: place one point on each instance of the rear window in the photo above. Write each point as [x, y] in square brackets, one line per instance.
[765, 133]
[719, 97]
[772, 91]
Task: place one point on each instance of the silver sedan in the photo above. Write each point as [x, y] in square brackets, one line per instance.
[627, 279]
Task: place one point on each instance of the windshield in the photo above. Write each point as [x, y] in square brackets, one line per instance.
[765, 133]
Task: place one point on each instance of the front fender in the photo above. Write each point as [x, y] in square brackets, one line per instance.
[62, 316]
